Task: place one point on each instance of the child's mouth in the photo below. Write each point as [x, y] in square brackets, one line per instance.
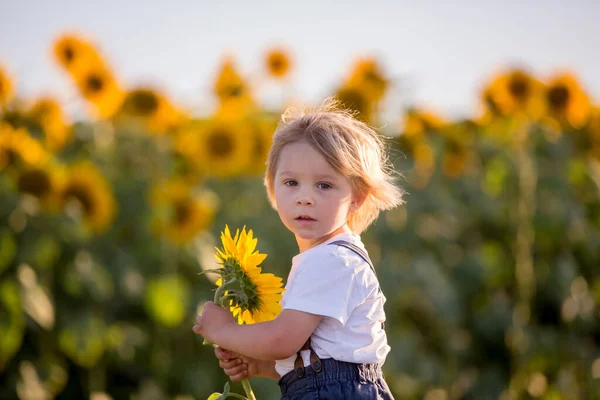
[305, 218]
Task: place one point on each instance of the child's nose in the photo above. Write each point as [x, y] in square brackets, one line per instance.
[304, 200]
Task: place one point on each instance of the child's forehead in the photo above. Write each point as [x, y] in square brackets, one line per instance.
[301, 156]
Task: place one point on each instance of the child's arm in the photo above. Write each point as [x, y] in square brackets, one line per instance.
[272, 340]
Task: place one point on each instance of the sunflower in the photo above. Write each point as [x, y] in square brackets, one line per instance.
[75, 54]
[47, 113]
[251, 295]
[41, 181]
[278, 63]
[367, 74]
[90, 192]
[418, 122]
[185, 213]
[566, 100]
[235, 100]
[424, 163]
[591, 140]
[355, 99]
[152, 108]
[99, 87]
[6, 87]
[515, 92]
[229, 83]
[17, 148]
[218, 147]
[263, 130]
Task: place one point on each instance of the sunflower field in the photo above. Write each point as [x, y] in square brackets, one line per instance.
[491, 270]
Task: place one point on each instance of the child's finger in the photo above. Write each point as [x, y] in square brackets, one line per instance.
[230, 363]
[236, 369]
[224, 354]
[237, 374]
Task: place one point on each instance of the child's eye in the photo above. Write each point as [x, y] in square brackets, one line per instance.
[290, 182]
[324, 185]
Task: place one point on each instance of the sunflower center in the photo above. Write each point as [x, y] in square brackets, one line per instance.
[82, 195]
[94, 84]
[234, 91]
[35, 182]
[558, 97]
[519, 87]
[42, 110]
[142, 102]
[220, 144]
[183, 210]
[373, 77]
[277, 64]
[69, 54]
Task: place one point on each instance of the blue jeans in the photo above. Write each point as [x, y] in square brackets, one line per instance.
[337, 380]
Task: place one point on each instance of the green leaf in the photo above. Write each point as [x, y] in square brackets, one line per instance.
[12, 321]
[219, 396]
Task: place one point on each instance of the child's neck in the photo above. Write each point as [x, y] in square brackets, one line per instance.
[305, 244]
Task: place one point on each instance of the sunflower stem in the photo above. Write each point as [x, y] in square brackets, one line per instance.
[221, 289]
[248, 389]
[217, 300]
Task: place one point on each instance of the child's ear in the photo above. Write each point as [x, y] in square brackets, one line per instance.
[357, 202]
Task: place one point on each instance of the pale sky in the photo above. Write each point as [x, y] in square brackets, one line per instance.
[439, 52]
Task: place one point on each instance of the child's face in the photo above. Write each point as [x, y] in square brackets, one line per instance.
[312, 198]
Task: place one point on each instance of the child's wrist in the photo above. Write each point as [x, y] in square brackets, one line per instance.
[266, 369]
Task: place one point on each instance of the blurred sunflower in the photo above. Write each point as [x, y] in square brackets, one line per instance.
[592, 135]
[251, 296]
[90, 193]
[182, 214]
[566, 100]
[75, 54]
[355, 99]
[367, 74]
[219, 147]
[424, 164]
[278, 63]
[6, 87]
[233, 92]
[262, 130]
[515, 92]
[152, 108]
[490, 108]
[17, 148]
[47, 113]
[99, 87]
[417, 122]
[41, 181]
[229, 83]
[458, 149]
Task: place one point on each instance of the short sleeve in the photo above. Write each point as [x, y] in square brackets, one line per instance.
[322, 285]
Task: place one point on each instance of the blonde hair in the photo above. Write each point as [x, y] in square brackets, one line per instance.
[351, 147]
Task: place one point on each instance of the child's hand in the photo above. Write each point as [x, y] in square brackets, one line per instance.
[212, 322]
[236, 366]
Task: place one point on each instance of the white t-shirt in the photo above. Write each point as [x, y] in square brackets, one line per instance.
[335, 282]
